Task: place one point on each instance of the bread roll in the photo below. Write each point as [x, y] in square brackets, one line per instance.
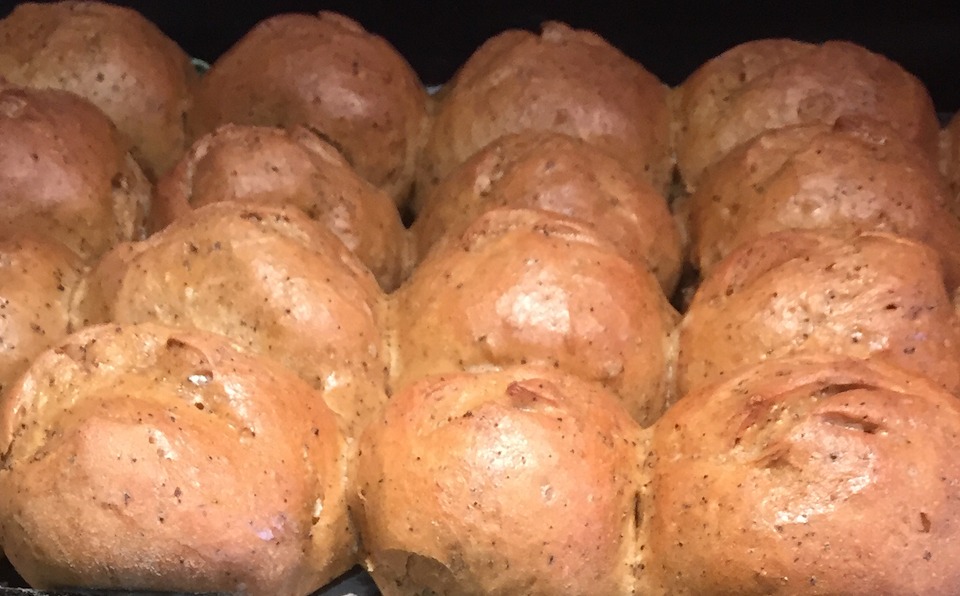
[555, 172]
[522, 481]
[874, 296]
[853, 176]
[329, 74]
[144, 458]
[64, 172]
[807, 476]
[771, 83]
[531, 287]
[296, 167]
[267, 277]
[565, 80]
[37, 279]
[111, 56]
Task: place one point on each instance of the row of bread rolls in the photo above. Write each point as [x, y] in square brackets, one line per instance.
[193, 465]
[558, 253]
[797, 476]
[367, 102]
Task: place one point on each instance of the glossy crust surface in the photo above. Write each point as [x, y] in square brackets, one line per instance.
[522, 481]
[296, 167]
[267, 277]
[564, 80]
[327, 73]
[37, 279]
[808, 476]
[531, 287]
[854, 175]
[190, 465]
[771, 83]
[565, 175]
[65, 172]
[874, 296]
[111, 56]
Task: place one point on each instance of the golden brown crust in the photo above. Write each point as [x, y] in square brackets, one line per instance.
[524, 481]
[65, 173]
[874, 296]
[296, 167]
[562, 174]
[772, 83]
[808, 476]
[522, 286]
[329, 74]
[37, 279]
[267, 277]
[111, 56]
[190, 465]
[564, 80]
[854, 176]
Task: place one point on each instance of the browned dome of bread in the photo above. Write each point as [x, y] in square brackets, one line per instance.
[37, 280]
[145, 458]
[772, 83]
[532, 287]
[805, 476]
[564, 80]
[559, 173]
[295, 167]
[267, 277]
[523, 481]
[329, 74]
[111, 56]
[853, 176]
[65, 173]
[875, 296]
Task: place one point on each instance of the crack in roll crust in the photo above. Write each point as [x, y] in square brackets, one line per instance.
[808, 476]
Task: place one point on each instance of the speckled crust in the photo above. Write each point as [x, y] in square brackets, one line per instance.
[329, 74]
[559, 173]
[267, 277]
[875, 296]
[37, 278]
[854, 175]
[772, 83]
[64, 172]
[522, 481]
[808, 477]
[111, 56]
[142, 457]
[564, 80]
[522, 286]
[296, 167]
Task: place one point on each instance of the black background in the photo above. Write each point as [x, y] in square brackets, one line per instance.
[670, 38]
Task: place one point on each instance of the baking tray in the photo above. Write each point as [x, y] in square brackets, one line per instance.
[355, 582]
